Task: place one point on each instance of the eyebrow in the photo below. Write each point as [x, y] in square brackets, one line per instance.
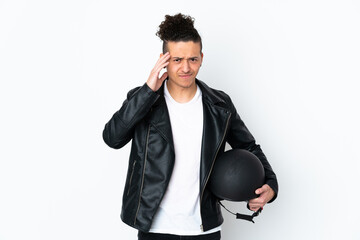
[183, 58]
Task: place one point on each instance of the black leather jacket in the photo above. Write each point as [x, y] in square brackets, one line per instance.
[144, 119]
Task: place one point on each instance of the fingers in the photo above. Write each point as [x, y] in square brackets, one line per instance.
[255, 208]
[260, 201]
[266, 194]
[162, 62]
[164, 56]
[154, 82]
[256, 203]
[163, 77]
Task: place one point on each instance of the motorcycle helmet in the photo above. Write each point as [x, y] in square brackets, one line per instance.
[236, 175]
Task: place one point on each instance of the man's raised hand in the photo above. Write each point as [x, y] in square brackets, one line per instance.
[154, 82]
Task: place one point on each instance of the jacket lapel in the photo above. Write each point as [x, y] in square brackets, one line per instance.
[215, 123]
[160, 118]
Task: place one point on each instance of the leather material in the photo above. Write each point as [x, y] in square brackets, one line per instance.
[144, 119]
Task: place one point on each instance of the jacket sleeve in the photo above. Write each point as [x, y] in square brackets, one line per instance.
[120, 128]
[240, 137]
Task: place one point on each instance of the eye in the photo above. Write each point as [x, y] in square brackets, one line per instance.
[177, 60]
[193, 59]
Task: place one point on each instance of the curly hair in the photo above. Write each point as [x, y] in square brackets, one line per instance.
[178, 28]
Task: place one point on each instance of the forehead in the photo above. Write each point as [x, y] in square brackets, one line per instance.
[184, 49]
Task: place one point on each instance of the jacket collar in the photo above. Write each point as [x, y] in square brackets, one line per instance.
[207, 93]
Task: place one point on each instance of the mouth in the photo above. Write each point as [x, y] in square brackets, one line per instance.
[185, 76]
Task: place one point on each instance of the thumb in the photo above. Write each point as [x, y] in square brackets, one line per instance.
[260, 190]
[163, 77]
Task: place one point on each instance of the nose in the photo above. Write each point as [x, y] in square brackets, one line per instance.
[185, 67]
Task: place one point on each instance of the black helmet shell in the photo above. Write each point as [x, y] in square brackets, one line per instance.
[236, 175]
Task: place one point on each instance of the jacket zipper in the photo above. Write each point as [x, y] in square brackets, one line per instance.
[212, 165]
[131, 176]
[142, 181]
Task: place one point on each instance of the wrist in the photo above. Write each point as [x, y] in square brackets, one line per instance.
[150, 86]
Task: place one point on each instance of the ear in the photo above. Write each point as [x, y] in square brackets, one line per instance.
[202, 58]
[161, 54]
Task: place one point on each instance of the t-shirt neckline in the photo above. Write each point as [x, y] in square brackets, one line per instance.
[196, 96]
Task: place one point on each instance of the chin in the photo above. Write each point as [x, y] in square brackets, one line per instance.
[184, 83]
[187, 83]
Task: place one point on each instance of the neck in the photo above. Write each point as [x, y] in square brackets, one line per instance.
[181, 94]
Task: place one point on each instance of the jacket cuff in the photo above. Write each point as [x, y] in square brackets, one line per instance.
[148, 90]
[137, 105]
[274, 186]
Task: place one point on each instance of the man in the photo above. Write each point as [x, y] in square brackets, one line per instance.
[178, 126]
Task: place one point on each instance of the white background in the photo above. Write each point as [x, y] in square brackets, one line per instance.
[291, 68]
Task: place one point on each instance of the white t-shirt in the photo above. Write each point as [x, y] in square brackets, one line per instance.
[179, 211]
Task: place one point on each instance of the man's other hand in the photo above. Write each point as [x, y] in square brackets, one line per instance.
[266, 194]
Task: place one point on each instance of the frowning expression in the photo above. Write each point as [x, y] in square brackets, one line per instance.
[184, 64]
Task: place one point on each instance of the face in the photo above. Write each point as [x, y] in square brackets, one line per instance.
[184, 64]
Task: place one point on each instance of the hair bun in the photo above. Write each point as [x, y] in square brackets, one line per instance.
[176, 27]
